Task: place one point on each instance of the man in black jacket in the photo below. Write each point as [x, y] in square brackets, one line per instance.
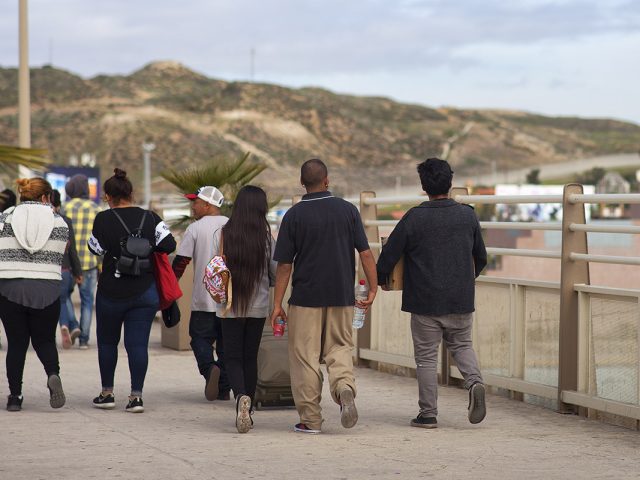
[443, 254]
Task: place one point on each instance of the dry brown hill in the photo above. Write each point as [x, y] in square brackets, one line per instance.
[367, 141]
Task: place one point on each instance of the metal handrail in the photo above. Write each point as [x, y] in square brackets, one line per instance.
[582, 227]
[508, 199]
[522, 252]
[555, 226]
[605, 198]
[395, 200]
[380, 223]
[615, 259]
[484, 199]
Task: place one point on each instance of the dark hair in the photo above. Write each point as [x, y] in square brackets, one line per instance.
[118, 187]
[246, 244]
[7, 199]
[32, 189]
[313, 172]
[55, 198]
[435, 176]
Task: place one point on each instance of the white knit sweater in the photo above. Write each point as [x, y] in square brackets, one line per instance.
[33, 240]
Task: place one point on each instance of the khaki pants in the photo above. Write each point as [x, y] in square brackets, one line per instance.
[319, 335]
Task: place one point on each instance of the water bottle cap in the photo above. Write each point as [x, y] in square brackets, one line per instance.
[362, 282]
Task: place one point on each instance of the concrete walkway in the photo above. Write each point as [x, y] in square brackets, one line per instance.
[182, 436]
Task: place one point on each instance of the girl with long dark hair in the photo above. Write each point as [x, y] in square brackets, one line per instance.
[248, 247]
[126, 299]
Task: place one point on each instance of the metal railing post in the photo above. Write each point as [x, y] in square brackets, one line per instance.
[571, 273]
[367, 212]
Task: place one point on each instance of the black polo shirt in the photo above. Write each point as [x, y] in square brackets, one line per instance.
[319, 235]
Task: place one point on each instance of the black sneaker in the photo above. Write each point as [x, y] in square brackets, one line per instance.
[14, 403]
[134, 405]
[422, 421]
[105, 402]
[477, 407]
[56, 394]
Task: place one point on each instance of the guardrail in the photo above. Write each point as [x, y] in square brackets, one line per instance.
[571, 345]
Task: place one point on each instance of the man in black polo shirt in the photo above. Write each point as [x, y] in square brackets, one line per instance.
[318, 236]
[443, 254]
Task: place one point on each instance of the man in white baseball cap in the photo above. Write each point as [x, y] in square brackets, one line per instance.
[204, 327]
[210, 195]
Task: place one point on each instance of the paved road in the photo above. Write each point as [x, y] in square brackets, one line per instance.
[182, 436]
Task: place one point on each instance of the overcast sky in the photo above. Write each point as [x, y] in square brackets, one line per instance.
[562, 57]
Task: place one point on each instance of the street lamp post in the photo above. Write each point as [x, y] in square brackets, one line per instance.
[24, 94]
[147, 148]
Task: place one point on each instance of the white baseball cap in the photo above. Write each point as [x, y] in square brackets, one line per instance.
[209, 194]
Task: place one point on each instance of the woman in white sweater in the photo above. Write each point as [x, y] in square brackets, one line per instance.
[33, 240]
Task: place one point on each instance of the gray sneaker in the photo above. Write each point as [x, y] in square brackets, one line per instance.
[348, 411]
[477, 407]
[56, 394]
[243, 415]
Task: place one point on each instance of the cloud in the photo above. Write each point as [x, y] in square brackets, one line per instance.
[464, 48]
[332, 35]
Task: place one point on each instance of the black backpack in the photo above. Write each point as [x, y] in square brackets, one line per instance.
[135, 250]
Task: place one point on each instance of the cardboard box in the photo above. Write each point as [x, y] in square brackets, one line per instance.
[394, 280]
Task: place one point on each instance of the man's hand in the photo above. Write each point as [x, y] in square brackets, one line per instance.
[365, 304]
[278, 311]
[385, 287]
[79, 280]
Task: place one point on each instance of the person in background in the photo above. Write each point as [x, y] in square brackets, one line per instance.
[204, 326]
[319, 236]
[248, 249]
[443, 254]
[82, 212]
[33, 241]
[71, 275]
[7, 200]
[125, 299]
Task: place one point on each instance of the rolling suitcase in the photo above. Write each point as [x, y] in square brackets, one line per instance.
[274, 383]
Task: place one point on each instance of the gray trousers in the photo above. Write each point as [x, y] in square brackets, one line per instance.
[427, 332]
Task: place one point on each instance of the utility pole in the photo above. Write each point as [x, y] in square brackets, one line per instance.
[147, 148]
[24, 88]
[253, 61]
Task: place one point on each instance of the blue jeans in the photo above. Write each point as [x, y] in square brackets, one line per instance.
[136, 314]
[67, 312]
[205, 329]
[87, 291]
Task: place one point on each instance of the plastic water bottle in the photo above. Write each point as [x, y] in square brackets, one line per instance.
[362, 292]
[278, 329]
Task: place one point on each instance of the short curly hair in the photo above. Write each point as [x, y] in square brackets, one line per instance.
[435, 176]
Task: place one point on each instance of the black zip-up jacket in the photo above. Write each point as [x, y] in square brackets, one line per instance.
[443, 254]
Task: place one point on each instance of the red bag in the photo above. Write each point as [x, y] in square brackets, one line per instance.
[166, 281]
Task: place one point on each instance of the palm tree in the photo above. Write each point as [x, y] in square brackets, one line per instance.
[12, 157]
[228, 176]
